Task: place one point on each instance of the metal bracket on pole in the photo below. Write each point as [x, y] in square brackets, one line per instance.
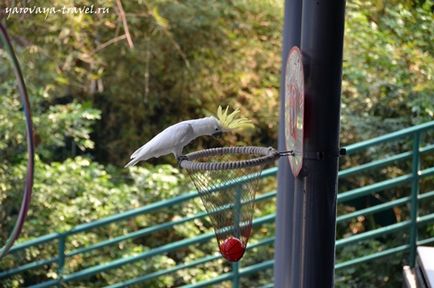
[316, 155]
[324, 155]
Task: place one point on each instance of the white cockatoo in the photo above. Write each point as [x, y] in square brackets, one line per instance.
[174, 138]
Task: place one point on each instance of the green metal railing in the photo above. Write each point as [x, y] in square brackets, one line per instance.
[410, 135]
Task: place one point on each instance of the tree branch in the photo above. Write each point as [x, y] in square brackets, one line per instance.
[124, 23]
[109, 42]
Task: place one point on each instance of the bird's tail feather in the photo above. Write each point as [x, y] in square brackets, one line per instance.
[132, 162]
[136, 153]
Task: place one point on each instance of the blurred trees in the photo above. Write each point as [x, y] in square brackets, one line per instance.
[187, 59]
[99, 92]
[388, 67]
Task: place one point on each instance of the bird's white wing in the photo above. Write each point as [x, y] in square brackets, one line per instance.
[170, 140]
[175, 133]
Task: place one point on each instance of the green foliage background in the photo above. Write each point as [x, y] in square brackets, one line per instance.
[95, 98]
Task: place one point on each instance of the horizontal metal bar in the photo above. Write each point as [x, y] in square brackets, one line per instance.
[123, 261]
[426, 172]
[372, 210]
[135, 234]
[425, 195]
[383, 185]
[155, 228]
[381, 207]
[149, 208]
[383, 230]
[194, 263]
[36, 264]
[373, 256]
[382, 162]
[227, 276]
[155, 251]
[132, 213]
[28, 266]
[426, 149]
[207, 283]
[122, 216]
[373, 233]
[50, 283]
[160, 273]
[268, 264]
[369, 189]
[34, 242]
[425, 241]
[269, 172]
[268, 196]
[389, 137]
[374, 164]
[257, 267]
[422, 220]
[338, 266]
[263, 242]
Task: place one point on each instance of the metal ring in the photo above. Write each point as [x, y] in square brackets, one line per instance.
[27, 194]
[267, 155]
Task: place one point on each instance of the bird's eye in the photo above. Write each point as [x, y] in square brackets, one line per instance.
[216, 129]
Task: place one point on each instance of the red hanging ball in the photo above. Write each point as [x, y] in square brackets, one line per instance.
[232, 249]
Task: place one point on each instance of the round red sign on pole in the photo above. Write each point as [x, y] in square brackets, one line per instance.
[294, 109]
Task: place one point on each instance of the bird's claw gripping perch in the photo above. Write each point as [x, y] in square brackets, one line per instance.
[181, 158]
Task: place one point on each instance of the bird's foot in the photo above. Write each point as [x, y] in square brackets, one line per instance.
[181, 158]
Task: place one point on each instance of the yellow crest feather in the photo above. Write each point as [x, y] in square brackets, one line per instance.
[232, 121]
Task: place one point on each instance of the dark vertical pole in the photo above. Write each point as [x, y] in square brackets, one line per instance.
[321, 45]
[283, 274]
[306, 205]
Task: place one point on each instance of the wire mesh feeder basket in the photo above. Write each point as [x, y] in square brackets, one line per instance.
[226, 179]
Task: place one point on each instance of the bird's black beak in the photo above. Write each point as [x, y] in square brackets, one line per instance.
[217, 134]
